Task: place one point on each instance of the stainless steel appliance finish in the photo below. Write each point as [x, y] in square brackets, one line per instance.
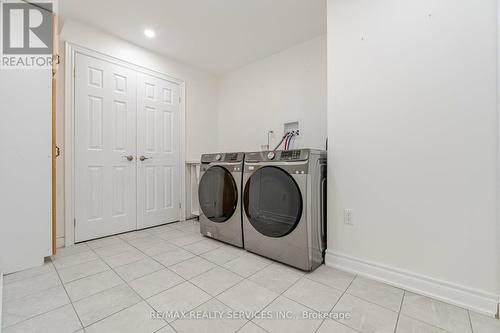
[219, 194]
[284, 206]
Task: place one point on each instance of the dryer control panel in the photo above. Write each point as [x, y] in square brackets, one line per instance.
[232, 157]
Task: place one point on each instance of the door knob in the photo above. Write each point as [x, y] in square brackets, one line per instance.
[129, 157]
[143, 158]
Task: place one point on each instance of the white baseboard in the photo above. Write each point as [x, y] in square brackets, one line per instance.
[458, 295]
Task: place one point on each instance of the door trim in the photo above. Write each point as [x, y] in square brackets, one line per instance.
[71, 50]
[55, 54]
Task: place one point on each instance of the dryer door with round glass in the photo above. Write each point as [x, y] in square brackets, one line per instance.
[272, 201]
[218, 194]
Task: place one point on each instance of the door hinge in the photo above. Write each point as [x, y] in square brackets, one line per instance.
[74, 71]
[74, 222]
[180, 99]
[56, 58]
[180, 205]
[498, 311]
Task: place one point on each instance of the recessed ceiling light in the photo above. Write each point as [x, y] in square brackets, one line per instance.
[149, 33]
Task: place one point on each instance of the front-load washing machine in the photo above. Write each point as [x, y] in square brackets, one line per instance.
[284, 203]
[219, 193]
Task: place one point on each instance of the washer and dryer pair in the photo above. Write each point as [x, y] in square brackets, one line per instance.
[272, 203]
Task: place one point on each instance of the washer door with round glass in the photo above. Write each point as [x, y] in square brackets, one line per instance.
[272, 201]
[218, 194]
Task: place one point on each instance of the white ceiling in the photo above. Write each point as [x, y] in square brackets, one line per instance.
[215, 35]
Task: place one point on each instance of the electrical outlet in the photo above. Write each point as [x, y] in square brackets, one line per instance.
[348, 216]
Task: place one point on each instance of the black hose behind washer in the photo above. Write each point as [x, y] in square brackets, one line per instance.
[282, 139]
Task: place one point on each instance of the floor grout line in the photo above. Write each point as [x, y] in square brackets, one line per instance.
[326, 285]
[31, 293]
[399, 312]
[167, 267]
[69, 299]
[184, 280]
[427, 324]
[164, 267]
[333, 308]
[107, 290]
[6, 284]
[222, 267]
[242, 280]
[126, 283]
[470, 321]
[153, 231]
[258, 325]
[371, 302]
[64, 287]
[39, 315]
[75, 280]
[279, 294]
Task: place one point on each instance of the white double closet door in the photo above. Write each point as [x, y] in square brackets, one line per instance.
[127, 149]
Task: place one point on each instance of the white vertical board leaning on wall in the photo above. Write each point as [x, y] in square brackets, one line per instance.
[25, 171]
[1, 292]
[498, 156]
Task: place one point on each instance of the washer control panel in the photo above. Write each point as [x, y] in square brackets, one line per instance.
[290, 155]
[222, 157]
[278, 156]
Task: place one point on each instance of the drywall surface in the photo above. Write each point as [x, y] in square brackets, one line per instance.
[412, 121]
[286, 87]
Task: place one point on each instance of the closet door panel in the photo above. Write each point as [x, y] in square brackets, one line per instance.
[105, 148]
[158, 150]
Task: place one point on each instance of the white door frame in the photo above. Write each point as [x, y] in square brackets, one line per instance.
[71, 51]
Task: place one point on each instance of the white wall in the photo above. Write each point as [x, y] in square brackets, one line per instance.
[413, 117]
[201, 93]
[25, 171]
[288, 86]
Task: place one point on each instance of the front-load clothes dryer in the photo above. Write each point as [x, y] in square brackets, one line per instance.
[284, 206]
[219, 194]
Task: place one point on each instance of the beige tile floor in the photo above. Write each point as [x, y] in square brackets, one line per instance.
[115, 284]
